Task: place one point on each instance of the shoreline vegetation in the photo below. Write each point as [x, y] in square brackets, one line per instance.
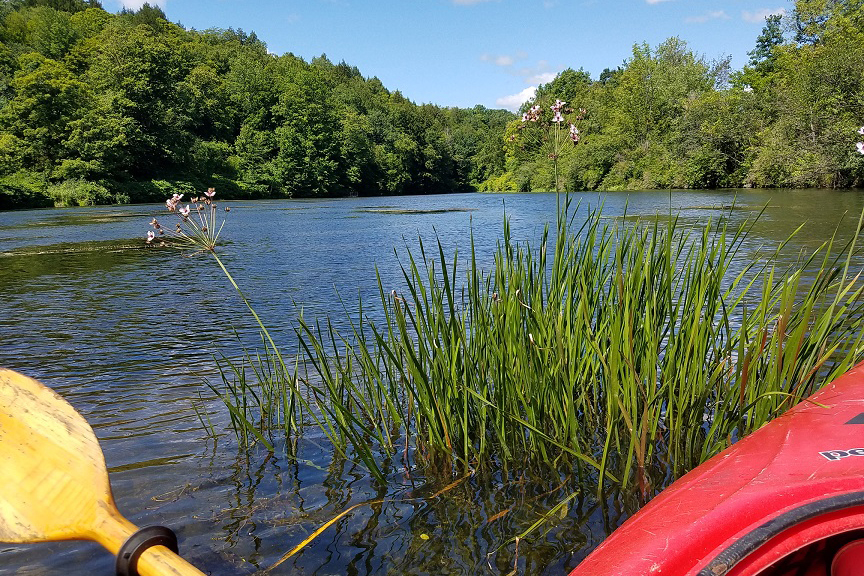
[100, 108]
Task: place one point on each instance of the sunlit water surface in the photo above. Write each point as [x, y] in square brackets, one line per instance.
[128, 335]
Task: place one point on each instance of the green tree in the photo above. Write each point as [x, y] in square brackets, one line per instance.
[763, 56]
[90, 22]
[151, 16]
[818, 96]
[307, 134]
[47, 99]
[50, 32]
[71, 6]
[569, 85]
[138, 73]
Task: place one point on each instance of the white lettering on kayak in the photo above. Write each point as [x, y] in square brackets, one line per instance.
[839, 454]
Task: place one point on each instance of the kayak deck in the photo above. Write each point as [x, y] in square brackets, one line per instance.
[782, 501]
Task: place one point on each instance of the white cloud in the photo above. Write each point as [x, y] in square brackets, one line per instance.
[655, 1]
[136, 4]
[514, 101]
[532, 75]
[541, 78]
[540, 73]
[528, 72]
[758, 17]
[502, 60]
[716, 15]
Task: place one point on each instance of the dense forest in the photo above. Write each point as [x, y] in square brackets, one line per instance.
[669, 118]
[98, 107]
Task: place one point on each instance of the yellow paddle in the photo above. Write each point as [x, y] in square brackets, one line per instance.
[53, 481]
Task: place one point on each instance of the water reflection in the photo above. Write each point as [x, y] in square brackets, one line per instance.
[414, 526]
[127, 335]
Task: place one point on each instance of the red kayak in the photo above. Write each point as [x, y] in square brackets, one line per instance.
[786, 500]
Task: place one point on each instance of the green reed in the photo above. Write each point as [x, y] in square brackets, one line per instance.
[624, 351]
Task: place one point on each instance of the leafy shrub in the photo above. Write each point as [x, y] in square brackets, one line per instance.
[502, 183]
[81, 193]
[23, 190]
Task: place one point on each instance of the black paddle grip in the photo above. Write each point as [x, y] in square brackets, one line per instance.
[127, 558]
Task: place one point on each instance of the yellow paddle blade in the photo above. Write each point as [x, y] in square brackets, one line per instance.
[54, 480]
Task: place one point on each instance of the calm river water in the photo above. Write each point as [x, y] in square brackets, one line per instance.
[128, 335]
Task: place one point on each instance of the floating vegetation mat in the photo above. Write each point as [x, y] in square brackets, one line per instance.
[100, 246]
[77, 217]
[408, 211]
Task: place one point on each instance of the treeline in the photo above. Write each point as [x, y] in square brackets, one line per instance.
[101, 108]
[668, 118]
[109, 108]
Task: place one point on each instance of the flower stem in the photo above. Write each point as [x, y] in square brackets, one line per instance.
[254, 314]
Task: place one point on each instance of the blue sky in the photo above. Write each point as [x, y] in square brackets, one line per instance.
[489, 52]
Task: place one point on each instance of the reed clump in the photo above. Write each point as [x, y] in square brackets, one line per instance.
[624, 351]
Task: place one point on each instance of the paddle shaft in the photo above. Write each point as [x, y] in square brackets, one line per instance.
[54, 483]
[112, 530]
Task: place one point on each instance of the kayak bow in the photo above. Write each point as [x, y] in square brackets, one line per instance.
[784, 500]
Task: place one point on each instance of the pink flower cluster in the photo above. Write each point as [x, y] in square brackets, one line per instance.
[175, 205]
[156, 226]
[172, 202]
[533, 115]
[860, 145]
[559, 113]
[557, 118]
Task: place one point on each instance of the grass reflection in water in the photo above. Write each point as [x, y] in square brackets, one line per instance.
[415, 525]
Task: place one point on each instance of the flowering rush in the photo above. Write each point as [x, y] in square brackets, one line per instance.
[200, 231]
[172, 202]
[557, 118]
[560, 115]
[532, 115]
[558, 129]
